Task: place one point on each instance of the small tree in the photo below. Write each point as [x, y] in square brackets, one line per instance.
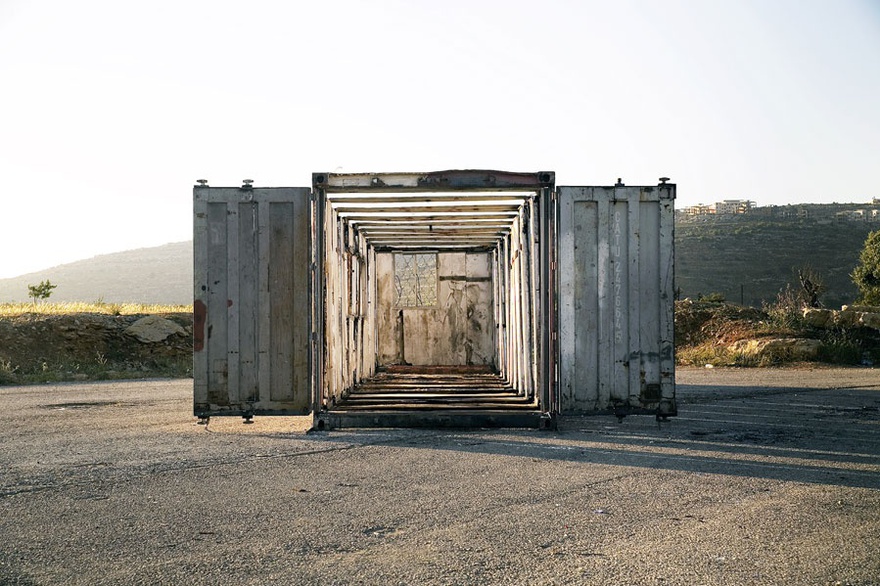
[41, 291]
[812, 285]
[866, 275]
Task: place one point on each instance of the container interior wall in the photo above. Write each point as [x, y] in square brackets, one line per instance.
[484, 302]
[349, 312]
[615, 275]
[457, 326]
[517, 290]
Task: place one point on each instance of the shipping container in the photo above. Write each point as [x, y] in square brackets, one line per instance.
[454, 298]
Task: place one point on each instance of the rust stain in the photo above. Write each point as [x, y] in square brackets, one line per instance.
[229, 303]
[446, 369]
[476, 179]
[200, 314]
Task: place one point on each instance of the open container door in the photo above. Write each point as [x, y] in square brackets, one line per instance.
[616, 295]
[437, 299]
[253, 317]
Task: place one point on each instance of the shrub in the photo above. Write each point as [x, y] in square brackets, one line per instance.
[712, 298]
[840, 348]
[786, 313]
[866, 275]
[7, 372]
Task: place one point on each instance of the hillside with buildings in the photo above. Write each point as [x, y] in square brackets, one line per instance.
[749, 253]
[733, 208]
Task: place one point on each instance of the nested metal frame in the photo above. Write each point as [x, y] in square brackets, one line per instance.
[456, 210]
[460, 204]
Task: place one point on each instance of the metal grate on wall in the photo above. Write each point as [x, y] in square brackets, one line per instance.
[415, 279]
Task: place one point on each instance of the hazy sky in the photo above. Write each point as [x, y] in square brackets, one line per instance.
[110, 110]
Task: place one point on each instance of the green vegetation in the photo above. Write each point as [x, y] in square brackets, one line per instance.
[843, 347]
[100, 368]
[41, 291]
[7, 372]
[866, 275]
[712, 298]
[706, 333]
[785, 314]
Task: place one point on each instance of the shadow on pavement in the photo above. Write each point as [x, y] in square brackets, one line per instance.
[817, 436]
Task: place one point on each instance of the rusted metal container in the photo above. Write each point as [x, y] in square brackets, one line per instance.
[456, 298]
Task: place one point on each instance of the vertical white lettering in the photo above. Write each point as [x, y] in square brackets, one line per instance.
[618, 274]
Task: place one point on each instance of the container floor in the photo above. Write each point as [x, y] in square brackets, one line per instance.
[436, 387]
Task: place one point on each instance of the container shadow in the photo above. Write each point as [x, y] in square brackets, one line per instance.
[818, 436]
[610, 451]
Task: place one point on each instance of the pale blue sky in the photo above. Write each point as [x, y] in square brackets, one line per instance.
[110, 110]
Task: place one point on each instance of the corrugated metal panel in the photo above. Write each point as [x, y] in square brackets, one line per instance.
[616, 299]
[252, 300]
[287, 291]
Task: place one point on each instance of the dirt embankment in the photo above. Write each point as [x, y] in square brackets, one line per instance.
[36, 347]
[724, 334]
[87, 346]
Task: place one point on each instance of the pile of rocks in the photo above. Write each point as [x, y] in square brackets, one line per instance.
[849, 316]
[806, 349]
[778, 348]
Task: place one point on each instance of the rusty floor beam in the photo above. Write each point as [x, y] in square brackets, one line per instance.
[402, 388]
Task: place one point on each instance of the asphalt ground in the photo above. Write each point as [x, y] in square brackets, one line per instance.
[767, 476]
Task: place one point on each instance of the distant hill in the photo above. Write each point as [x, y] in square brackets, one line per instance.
[757, 256]
[713, 255]
[161, 274]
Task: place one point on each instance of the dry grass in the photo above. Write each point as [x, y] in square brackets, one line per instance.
[15, 309]
[713, 354]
